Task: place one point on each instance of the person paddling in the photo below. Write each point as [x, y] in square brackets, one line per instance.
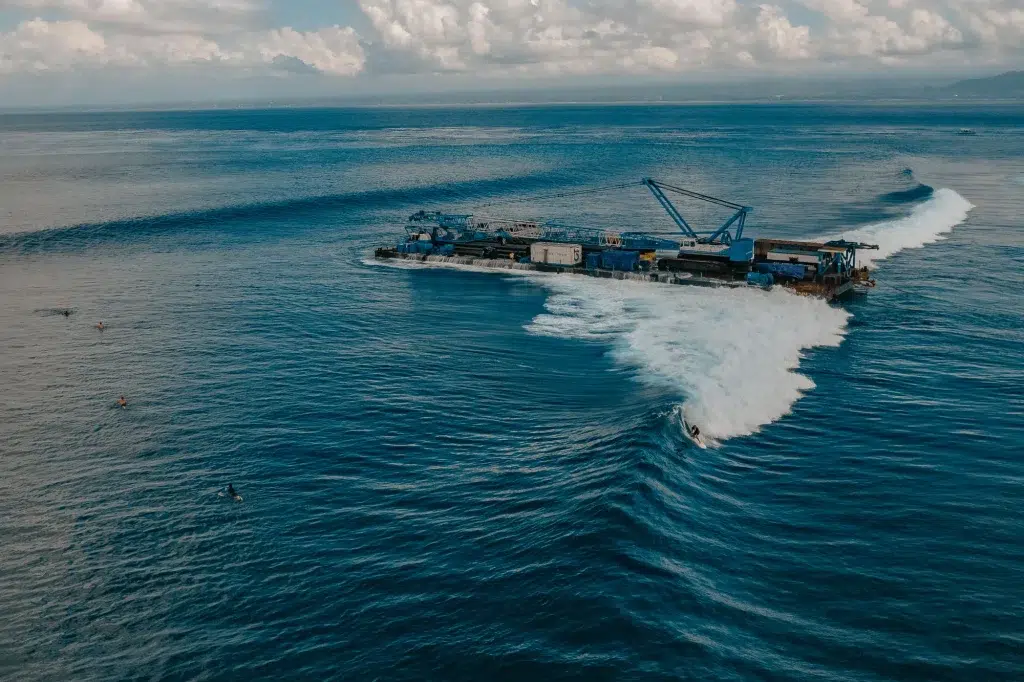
[100, 325]
[232, 494]
[122, 402]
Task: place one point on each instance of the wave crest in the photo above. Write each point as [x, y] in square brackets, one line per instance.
[731, 355]
[927, 223]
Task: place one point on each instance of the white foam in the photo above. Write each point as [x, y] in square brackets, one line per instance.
[929, 222]
[730, 354]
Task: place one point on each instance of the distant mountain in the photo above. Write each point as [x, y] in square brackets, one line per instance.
[1009, 85]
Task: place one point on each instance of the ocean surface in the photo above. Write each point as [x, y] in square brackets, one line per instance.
[459, 475]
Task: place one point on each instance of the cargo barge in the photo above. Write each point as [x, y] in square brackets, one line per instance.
[715, 258]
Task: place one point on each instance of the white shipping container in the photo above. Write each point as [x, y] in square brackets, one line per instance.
[556, 254]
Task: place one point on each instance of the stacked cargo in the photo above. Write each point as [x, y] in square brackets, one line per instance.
[722, 257]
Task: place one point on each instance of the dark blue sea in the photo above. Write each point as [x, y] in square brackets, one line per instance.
[458, 475]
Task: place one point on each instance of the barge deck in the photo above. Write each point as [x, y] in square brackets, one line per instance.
[679, 278]
[719, 258]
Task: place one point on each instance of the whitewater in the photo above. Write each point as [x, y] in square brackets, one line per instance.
[452, 477]
[731, 354]
[929, 222]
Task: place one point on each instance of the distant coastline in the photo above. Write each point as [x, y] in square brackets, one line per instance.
[1006, 87]
[523, 104]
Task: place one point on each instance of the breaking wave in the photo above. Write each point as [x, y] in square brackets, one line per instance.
[927, 223]
[907, 195]
[732, 355]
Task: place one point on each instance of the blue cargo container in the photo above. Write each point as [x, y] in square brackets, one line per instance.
[620, 260]
[593, 261]
[760, 279]
[783, 270]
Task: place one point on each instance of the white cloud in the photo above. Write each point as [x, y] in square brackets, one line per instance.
[630, 36]
[704, 13]
[550, 36]
[507, 38]
[40, 46]
[151, 16]
[782, 39]
[333, 50]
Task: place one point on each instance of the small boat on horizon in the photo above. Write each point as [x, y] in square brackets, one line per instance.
[966, 131]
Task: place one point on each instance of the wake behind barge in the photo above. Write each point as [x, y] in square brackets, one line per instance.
[715, 258]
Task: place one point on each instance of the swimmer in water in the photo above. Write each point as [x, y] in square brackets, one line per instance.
[232, 494]
[66, 313]
[100, 325]
[122, 402]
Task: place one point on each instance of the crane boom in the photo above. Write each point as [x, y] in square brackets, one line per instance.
[721, 235]
[669, 207]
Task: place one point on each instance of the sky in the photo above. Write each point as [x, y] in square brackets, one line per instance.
[93, 50]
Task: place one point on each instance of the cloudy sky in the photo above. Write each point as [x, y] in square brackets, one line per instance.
[198, 47]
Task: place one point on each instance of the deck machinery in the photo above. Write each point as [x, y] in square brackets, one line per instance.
[715, 257]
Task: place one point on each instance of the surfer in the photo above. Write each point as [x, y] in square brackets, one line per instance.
[693, 433]
[66, 313]
[122, 402]
[232, 494]
[100, 325]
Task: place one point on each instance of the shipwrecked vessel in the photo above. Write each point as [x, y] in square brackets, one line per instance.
[721, 257]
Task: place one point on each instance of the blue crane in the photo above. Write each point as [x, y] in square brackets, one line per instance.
[719, 236]
[463, 227]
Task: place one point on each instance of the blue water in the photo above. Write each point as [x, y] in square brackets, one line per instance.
[456, 475]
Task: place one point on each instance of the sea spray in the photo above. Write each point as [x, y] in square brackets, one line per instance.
[929, 222]
[730, 354]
